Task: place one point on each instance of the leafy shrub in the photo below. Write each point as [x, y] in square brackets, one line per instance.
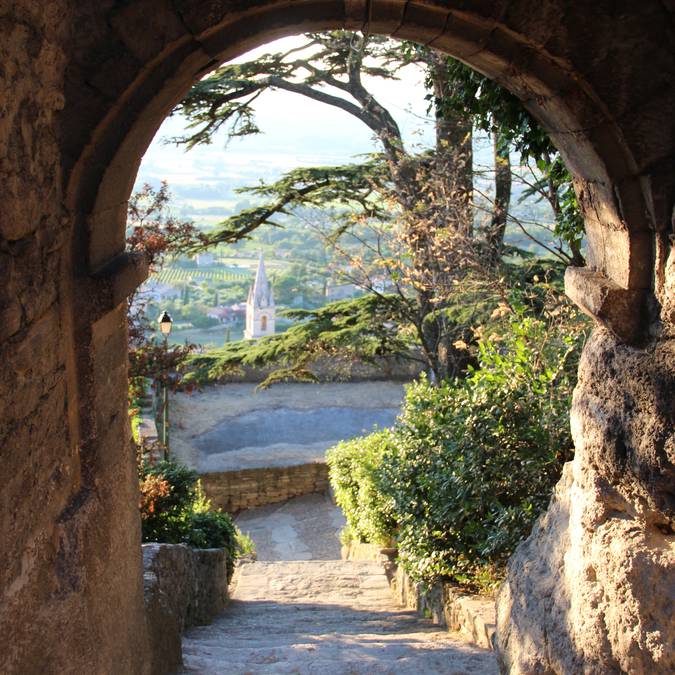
[135, 420]
[214, 529]
[475, 461]
[168, 494]
[470, 463]
[353, 467]
[174, 510]
[245, 545]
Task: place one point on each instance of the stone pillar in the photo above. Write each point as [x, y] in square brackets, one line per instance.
[591, 590]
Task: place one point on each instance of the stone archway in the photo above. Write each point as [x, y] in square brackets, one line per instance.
[90, 85]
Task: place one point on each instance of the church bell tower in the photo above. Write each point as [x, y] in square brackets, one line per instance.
[260, 308]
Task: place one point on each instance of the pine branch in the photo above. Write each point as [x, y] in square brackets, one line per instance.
[347, 185]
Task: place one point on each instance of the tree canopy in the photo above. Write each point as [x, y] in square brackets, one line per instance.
[426, 196]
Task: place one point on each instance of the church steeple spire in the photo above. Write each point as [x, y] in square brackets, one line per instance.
[261, 291]
[260, 308]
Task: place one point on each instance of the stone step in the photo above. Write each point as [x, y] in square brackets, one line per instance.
[277, 624]
[336, 645]
[266, 641]
[324, 618]
[409, 665]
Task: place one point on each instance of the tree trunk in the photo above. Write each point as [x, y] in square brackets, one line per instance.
[454, 152]
[495, 235]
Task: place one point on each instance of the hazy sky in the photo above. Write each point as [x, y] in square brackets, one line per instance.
[297, 132]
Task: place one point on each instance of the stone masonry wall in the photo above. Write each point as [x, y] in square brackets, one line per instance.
[183, 587]
[591, 590]
[70, 560]
[234, 491]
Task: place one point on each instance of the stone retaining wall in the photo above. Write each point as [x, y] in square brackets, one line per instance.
[443, 603]
[235, 491]
[446, 605]
[339, 369]
[183, 587]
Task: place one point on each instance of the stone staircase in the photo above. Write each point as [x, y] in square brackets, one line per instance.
[327, 617]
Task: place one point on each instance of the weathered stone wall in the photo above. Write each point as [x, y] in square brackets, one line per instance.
[591, 590]
[83, 88]
[183, 587]
[70, 564]
[234, 491]
[447, 605]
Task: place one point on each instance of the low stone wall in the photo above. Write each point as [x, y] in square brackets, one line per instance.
[340, 369]
[471, 615]
[235, 491]
[356, 550]
[446, 605]
[183, 587]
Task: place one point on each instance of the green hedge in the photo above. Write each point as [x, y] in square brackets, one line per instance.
[174, 510]
[471, 463]
[353, 469]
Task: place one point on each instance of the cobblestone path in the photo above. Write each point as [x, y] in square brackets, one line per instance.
[319, 616]
[304, 528]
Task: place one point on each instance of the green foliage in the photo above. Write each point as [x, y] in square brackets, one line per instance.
[245, 545]
[135, 427]
[212, 529]
[556, 181]
[476, 460]
[166, 519]
[135, 393]
[174, 510]
[495, 110]
[372, 326]
[352, 185]
[299, 282]
[492, 109]
[358, 327]
[470, 463]
[353, 467]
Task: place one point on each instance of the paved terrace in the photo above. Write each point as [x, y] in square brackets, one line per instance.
[232, 427]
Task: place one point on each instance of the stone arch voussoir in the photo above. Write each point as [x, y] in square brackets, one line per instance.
[159, 48]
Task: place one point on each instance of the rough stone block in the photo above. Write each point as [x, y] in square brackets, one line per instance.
[10, 319]
[621, 310]
[591, 589]
[182, 587]
[146, 27]
[116, 281]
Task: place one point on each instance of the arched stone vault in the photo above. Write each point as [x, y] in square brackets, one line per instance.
[557, 62]
[89, 83]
